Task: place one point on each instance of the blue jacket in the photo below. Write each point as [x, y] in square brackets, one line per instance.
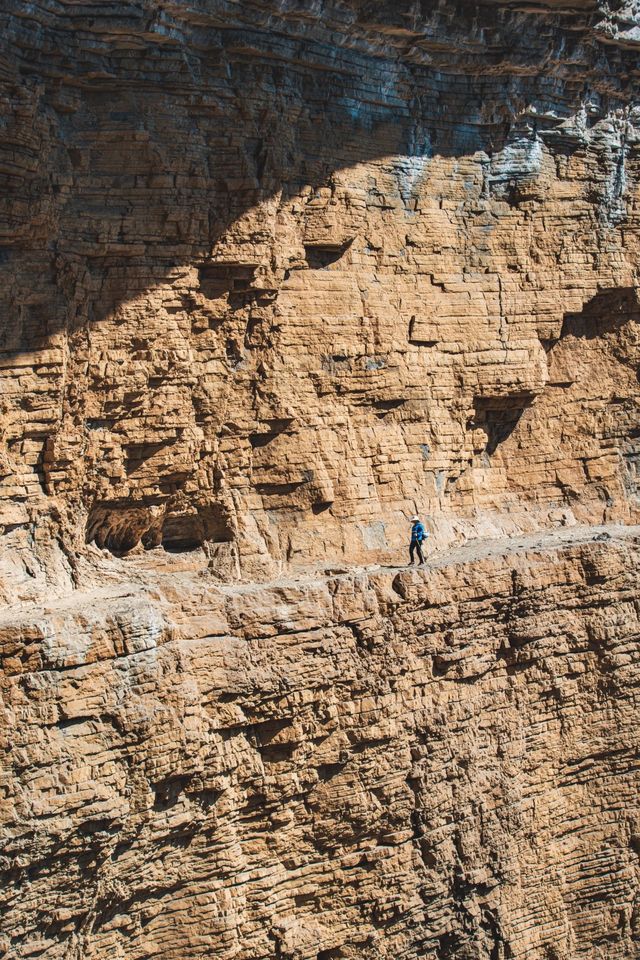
[418, 533]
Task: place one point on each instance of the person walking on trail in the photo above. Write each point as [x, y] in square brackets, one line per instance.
[418, 535]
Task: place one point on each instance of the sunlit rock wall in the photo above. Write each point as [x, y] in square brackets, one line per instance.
[276, 276]
[345, 767]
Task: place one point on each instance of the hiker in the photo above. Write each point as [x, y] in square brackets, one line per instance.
[418, 535]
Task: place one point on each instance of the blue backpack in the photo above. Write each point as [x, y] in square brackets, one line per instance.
[418, 532]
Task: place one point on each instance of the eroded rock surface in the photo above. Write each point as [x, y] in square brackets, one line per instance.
[379, 763]
[275, 276]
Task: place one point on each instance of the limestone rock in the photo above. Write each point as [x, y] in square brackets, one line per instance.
[279, 275]
[381, 763]
[275, 277]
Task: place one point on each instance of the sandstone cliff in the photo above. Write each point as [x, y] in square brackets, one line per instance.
[353, 765]
[275, 276]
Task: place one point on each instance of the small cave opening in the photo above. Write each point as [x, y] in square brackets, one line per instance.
[120, 527]
[605, 313]
[279, 489]
[117, 526]
[190, 530]
[181, 534]
[261, 439]
[499, 416]
[217, 280]
[322, 255]
[385, 406]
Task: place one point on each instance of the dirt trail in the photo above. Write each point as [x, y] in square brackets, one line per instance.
[138, 578]
[474, 550]
[536, 542]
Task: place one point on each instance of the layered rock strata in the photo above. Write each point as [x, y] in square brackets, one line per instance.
[277, 275]
[357, 764]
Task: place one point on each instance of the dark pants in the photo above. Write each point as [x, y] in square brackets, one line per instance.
[416, 546]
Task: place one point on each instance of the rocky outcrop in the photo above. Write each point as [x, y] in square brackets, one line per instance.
[353, 764]
[276, 276]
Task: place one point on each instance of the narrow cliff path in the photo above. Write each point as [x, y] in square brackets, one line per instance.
[473, 550]
[537, 542]
[157, 576]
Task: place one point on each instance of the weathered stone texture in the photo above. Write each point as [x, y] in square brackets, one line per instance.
[359, 765]
[274, 276]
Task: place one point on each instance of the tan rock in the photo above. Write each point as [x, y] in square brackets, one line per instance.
[275, 277]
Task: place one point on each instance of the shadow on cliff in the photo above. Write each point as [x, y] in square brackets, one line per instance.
[604, 315]
[153, 144]
[152, 148]
[611, 317]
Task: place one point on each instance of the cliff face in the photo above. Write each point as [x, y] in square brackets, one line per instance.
[275, 276]
[354, 765]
